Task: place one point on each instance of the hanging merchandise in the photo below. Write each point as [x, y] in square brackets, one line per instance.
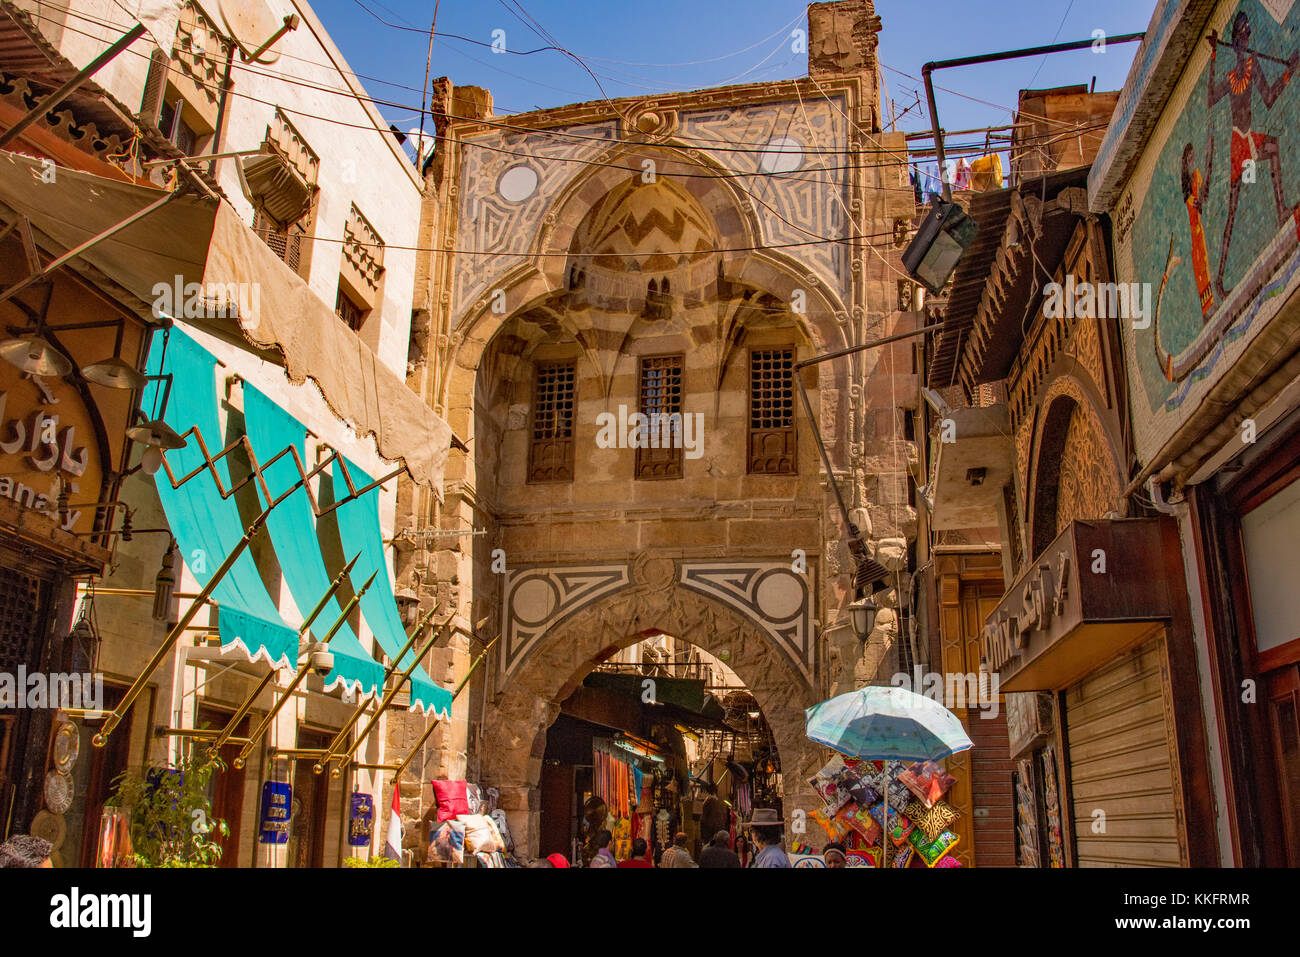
[962, 176]
[986, 172]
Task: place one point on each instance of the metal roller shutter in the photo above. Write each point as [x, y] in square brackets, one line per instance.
[1120, 764]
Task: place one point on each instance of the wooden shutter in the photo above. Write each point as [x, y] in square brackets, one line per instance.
[155, 87]
[1120, 763]
[550, 453]
[659, 396]
[772, 440]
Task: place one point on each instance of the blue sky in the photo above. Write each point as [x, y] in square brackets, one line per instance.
[638, 48]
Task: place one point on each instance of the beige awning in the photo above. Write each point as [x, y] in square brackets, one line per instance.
[198, 239]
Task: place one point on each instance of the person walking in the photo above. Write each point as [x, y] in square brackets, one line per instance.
[604, 856]
[719, 853]
[677, 855]
[767, 827]
[835, 855]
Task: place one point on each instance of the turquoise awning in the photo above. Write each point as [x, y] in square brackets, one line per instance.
[359, 531]
[208, 527]
[293, 532]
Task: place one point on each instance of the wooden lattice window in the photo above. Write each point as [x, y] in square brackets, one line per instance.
[285, 241]
[772, 440]
[21, 600]
[349, 311]
[659, 398]
[550, 454]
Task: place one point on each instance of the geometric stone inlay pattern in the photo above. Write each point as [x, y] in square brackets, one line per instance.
[773, 596]
[537, 599]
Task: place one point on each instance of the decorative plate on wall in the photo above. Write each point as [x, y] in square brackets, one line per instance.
[58, 791]
[51, 827]
[67, 745]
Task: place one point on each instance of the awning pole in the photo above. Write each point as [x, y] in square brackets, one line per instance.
[247, 706]
[111, 722]
[77, 251]
[397, 773]
[265, 726]
[341, 737]
[345, 756]
[61, 94]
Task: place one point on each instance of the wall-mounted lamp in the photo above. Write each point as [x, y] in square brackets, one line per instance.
[408, 605]
[862, 614]
[165, 585]
[114, 373]
[157, 437]
[35, 356]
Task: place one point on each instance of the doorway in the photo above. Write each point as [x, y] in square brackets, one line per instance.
[310, 805]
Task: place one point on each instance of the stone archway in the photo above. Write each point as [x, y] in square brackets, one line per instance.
[515, 739]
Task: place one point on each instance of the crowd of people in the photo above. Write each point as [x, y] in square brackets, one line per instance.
[765, 831]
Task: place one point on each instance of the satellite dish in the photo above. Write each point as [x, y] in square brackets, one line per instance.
[250, 24]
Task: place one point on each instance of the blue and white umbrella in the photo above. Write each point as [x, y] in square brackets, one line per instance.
[886, 724]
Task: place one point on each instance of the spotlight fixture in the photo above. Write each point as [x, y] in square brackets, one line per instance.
[939, 244]
[114, 373]
[35, 356]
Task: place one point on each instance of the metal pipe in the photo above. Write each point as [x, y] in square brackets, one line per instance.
[356, 715]
[61, 94]
[262, 728]
[930, 67]
[100, 739]
[346, 756]
[397, 773]
[247, 704]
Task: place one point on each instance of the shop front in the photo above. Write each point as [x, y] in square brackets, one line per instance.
[1094, 647]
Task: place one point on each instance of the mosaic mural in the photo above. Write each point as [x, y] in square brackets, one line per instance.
[1211, 216]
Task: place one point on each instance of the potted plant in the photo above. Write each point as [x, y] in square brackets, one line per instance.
[171, 816]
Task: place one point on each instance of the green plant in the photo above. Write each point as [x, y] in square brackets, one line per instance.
[373, 862]
[171, 816]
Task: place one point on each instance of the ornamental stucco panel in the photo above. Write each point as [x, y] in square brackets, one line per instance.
[500, 215]
[773, 596]
[799, 192]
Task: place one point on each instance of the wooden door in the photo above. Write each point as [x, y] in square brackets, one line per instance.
[310, 806]
[227, 787]
[106, 764]
[1282, 688]
[558, 814]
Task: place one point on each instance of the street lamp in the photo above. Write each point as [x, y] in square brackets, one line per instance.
[862, 613]
[938, 245]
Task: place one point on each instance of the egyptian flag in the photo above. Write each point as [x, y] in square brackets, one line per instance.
[393, 842]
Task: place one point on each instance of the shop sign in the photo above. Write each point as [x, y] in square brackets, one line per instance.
[46, 442]
[362, 821]
[1040, 598]
[277, 807]
[1093, 591]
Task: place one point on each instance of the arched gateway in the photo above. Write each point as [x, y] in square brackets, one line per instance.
[551, 656]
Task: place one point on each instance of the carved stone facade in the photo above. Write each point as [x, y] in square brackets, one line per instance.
[597, 236]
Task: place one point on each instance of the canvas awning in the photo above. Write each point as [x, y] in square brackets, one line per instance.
[200, 239]
[298, 541]
[207, 527]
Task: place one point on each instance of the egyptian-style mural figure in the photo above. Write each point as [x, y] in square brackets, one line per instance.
[1215, 305]
[1247, 144]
